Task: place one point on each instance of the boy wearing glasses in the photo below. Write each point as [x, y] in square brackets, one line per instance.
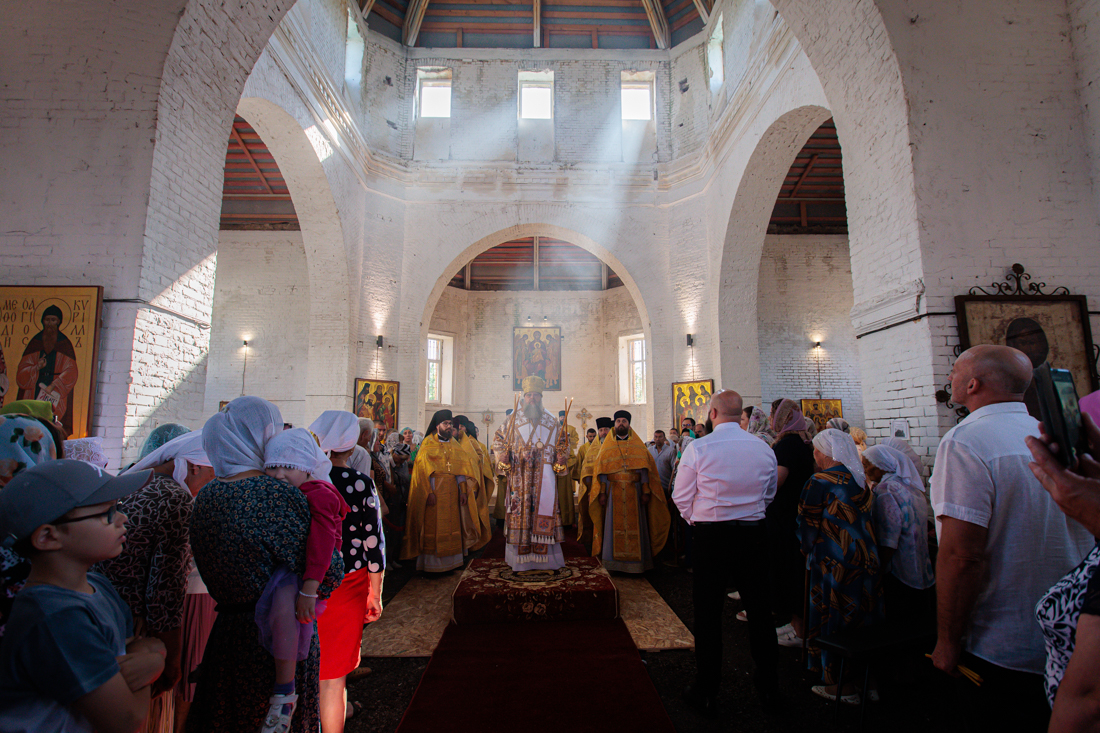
[67, 659]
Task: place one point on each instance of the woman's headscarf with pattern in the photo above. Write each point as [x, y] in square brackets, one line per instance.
[758, 426]
[840, 447]
[161, 435]
[234, 438]
[788, 419]
[24, 442]
[89, 450]
[839, 423]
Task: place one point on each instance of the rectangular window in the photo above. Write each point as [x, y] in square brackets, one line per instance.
[637, 95]
[536, 95]
[433, 92]
[435, 370]
[635, 349]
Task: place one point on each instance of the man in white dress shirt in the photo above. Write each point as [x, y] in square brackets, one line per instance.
[724, 484]
[1003, 543]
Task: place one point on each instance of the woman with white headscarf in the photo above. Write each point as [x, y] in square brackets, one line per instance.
[363, 546]
[245, 525]
[838, 540]
[152, 571]
[901, 519]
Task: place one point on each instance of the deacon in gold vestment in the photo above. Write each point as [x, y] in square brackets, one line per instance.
[442, 523]
[466, 433]
[565, 483]
[630, 514]
[531, 450]
[587, 476]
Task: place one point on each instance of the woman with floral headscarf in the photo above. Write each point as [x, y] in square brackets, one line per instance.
[755, 422]
[838, 539]
[25, 441]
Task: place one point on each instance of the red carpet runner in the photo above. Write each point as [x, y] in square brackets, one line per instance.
[552, 676]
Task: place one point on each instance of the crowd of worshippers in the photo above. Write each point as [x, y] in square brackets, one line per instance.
[222, 583]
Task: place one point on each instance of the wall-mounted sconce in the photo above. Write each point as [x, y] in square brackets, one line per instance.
[378, 343]
[528, 319]
[817, 344]
[691, 340]
[545, 319]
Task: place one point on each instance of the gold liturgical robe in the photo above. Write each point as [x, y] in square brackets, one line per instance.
[586, 464]
[627, 532]
[485, 481]
[442, 533]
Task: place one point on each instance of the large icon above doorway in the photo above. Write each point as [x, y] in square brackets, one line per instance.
[536, 352]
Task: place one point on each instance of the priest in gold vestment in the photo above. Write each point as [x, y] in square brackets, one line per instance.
[442, 523]
[466, 434]
[629, 513]
[531, 451]
[591, 452]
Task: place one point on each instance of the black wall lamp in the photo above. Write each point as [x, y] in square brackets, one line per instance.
[691, 340]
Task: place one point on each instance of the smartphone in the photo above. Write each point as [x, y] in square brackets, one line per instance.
[1061, 411]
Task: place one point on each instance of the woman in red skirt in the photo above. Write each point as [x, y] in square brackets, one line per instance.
[358, 600]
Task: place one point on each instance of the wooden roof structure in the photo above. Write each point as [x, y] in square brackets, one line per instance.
[536, 263]
[537, 23]
[811, 200]
[254, 194]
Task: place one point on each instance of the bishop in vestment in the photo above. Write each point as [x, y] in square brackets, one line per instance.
[629, 512]
[442, 523]
[531, 451]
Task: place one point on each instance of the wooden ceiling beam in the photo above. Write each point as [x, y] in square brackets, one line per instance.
[658, 22]
[805, 172]
[366, 6]
[414, 17]
[704, 14]
[536, 14]
[252, 161]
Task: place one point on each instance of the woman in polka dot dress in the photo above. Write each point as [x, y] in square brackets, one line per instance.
[359, 599]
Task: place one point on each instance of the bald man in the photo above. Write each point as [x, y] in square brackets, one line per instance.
[723, 487]
[1003, 544]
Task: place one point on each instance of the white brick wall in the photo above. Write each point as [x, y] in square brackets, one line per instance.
[805, 293]
[262, 293]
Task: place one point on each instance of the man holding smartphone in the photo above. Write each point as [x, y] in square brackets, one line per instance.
[1003, 543]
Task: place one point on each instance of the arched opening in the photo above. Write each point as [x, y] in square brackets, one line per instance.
[596, 328]
[808, 347]
[282, 278]
[745, 235]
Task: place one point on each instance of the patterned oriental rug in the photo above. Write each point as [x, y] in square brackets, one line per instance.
[491, 592]
[554, 676]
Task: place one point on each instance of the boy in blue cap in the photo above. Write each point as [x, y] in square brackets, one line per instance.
[67, 660]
